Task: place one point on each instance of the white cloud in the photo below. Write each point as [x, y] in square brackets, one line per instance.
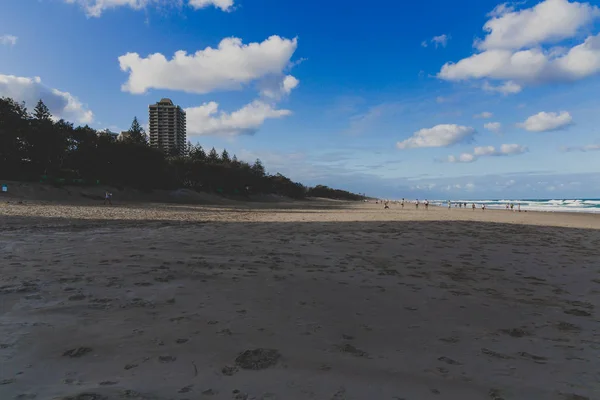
[506, 88]
[439, 136]
[484, 115]
[441, 40]
[8, 40]
[488, 151]
[547, 22]
[30, 90]
[512, 149]
[276, 87]
[207, 120]
[484, 151]
[586, 148]
[544, 122]
[495, 127]
[228, 67]
[224, 5]
[512, 51]
[95, 8]
[463, 158]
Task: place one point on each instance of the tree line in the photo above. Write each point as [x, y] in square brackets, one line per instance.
[37, 147]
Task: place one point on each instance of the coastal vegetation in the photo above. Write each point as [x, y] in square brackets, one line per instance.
[37, 147]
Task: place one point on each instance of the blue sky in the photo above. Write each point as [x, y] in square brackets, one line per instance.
[399, 99]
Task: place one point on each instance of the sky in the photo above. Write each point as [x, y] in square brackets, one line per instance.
[394, 99]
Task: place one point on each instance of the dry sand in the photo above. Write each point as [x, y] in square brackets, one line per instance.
[346, 301]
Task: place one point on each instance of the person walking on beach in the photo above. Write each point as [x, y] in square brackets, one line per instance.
[417, 204]
[402, 203]
[512, 207]
[473, 205]
[519, 207]
[449, 204]
[426, 204]
[483, 207]
[107, 198]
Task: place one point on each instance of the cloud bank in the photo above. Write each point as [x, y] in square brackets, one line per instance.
[545, 122]
[488, 151]
[95, 8]
[30, 90]
[444, 135]
[519, 47]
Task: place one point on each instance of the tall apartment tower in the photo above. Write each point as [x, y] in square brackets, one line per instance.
[167, 126]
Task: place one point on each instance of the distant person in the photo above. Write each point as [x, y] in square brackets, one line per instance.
[402, 202]
[483, 207]
[473, 206]
[426, 204]
[507, 206]
[449, 204]
[460, 205]
[519, 207]
[386, 205]
[512, 207]
[417, 203]
[465, 205]
[108, 198]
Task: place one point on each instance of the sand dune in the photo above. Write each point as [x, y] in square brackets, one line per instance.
[315, 300]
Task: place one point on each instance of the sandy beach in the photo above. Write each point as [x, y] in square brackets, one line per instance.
[298, 300]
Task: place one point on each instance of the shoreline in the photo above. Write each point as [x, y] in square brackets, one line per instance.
[289, 212]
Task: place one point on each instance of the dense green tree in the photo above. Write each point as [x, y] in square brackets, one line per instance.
[41, 112]
[136, 133]
[225, 157]
[213, 156]
[197, 153]
[36, 145]
[13, 145]
[258, 169]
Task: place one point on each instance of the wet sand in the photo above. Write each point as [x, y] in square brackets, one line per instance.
[314, 300]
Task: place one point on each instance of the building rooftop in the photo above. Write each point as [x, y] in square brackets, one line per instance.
[166, 101]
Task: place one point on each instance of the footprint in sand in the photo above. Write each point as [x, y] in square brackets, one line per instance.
[516, 332]
[185, 389]
[578, 313]
[538, 359]
[258, 359]
[77, 352]
[229, 370]
[348, 348]
[567, 327]
[448, 360]
[495, 354]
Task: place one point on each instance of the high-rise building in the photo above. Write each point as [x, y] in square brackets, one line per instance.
[167, 126]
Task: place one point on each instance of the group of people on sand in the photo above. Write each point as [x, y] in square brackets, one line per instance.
[461, 205]
[473, 206]
[386, 203]
[512, 206]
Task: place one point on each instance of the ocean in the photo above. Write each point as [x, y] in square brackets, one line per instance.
[551, 205]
